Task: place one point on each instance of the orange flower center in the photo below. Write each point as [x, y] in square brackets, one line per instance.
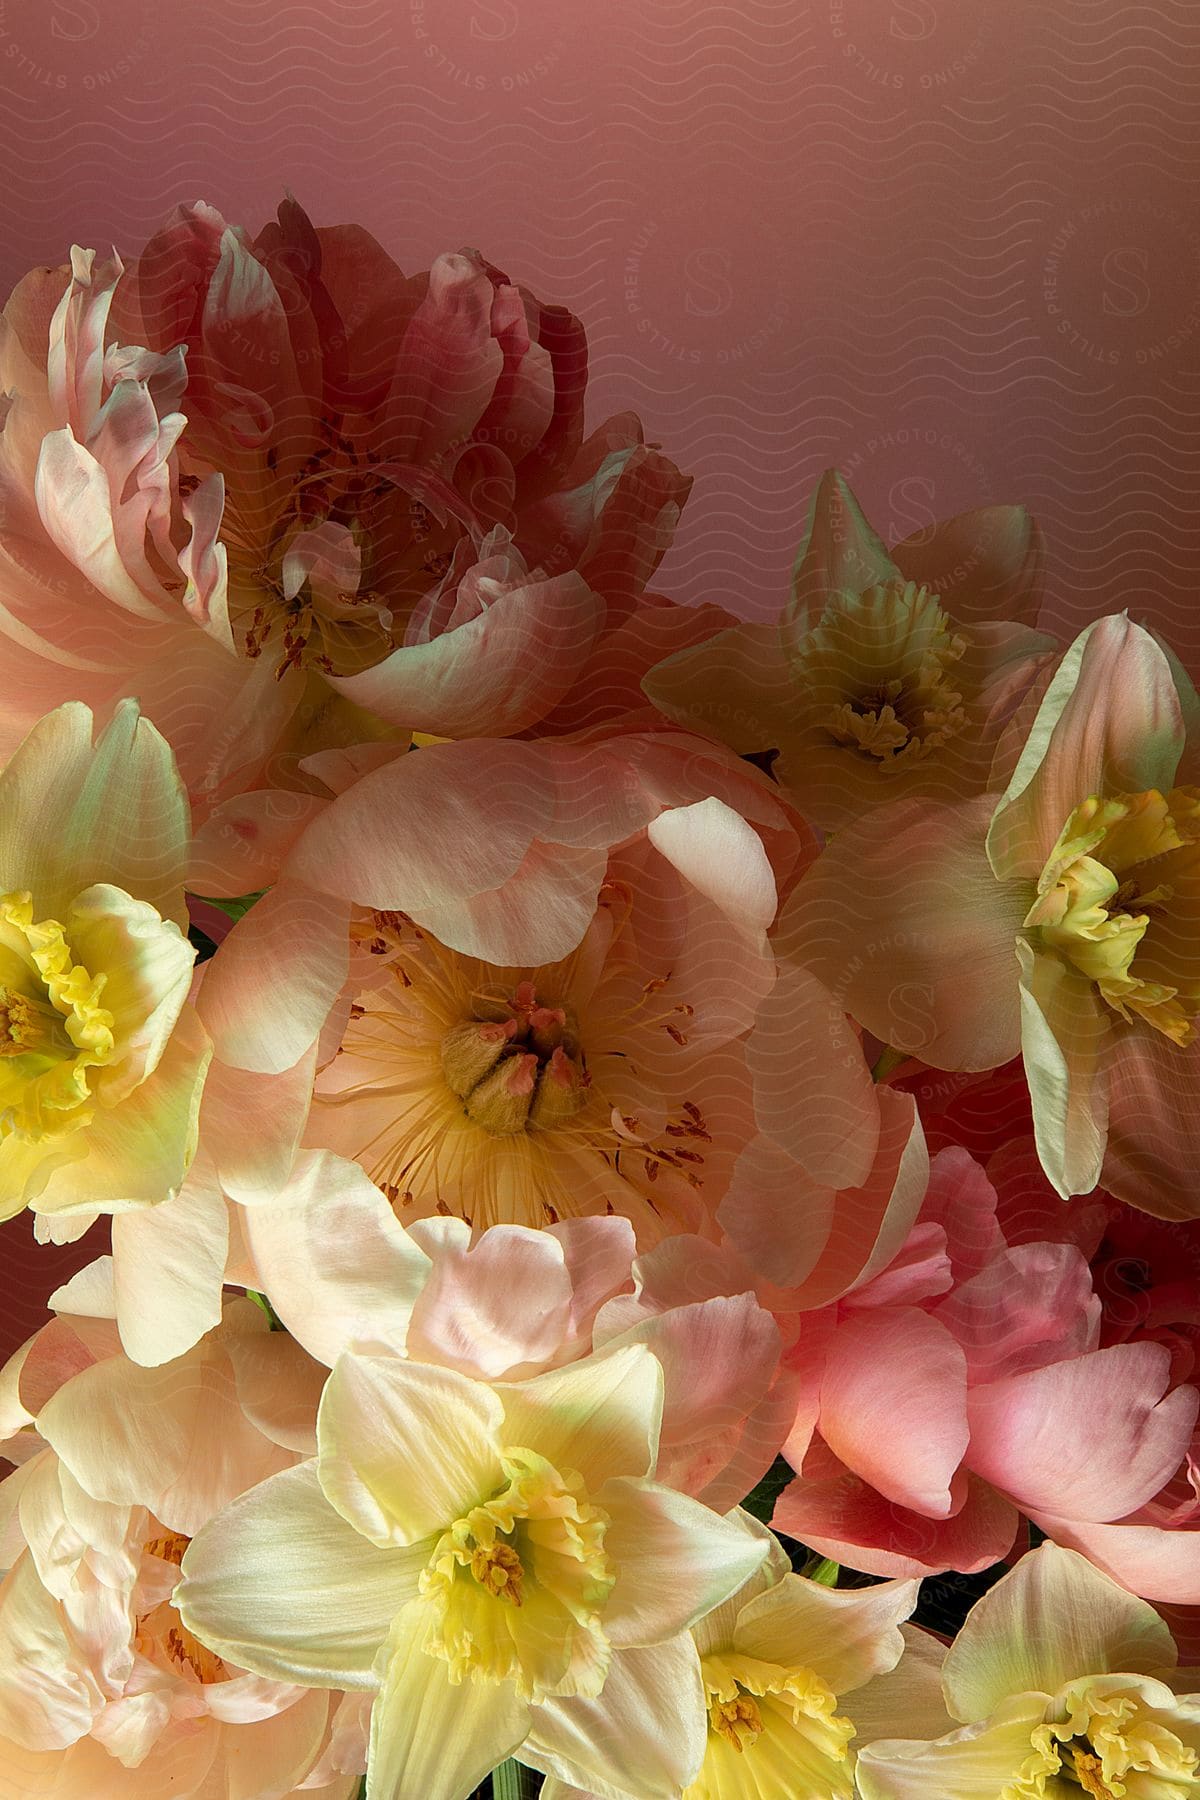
[517, 1065]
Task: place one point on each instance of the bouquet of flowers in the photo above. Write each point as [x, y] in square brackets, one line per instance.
[649, 1160]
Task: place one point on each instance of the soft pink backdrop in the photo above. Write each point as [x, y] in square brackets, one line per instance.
[952, 245]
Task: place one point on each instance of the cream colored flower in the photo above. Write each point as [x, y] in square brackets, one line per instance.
[1066, 1686]
[479, 1554]
[102, 1061]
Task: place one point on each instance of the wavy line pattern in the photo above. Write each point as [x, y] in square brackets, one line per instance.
[947, 244]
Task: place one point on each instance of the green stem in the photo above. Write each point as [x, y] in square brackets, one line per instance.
[889, 1061]
[513, 1781]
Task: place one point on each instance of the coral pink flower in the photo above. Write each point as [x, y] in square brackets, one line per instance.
[1061, 920]
[999, 1378]
[104, 1692]
[412, 513]
[112, 568]
[888, 674]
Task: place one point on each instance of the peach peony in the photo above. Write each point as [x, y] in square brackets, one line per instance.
[413, 519]
[112, 569]
[104, 1692]
[526, 972]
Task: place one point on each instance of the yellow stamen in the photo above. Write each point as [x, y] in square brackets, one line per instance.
[499, 1570]
[1119, 898]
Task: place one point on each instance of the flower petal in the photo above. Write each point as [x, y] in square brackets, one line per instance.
[905, 924]
[1036, 1437]
[281, 1585]
[1064, 1035]
[976, 1763]
[908, 1437]
[848, 1635]
[675, 1561]
[1048, 1621]
[340, 1269]
[839, 550]
[1110, 723]
[169, 1266]
[430, 1737]
[383, 1419]
[268, 991]
[600, 1415]
[645, 1734]
[70, 813]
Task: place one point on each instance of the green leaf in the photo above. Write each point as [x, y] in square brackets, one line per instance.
[234, 909]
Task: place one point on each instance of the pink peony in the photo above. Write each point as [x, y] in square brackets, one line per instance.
[999, 1373]
[412, 512]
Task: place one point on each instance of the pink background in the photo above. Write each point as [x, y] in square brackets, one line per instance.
[951, 245]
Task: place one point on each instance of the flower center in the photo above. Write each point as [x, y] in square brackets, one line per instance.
[517, 1064]
[161, 1635]
[784, 1720]
[53, 1029]
[1106, 1738]
[518, 1584]
[890, 654]
[1120, 899]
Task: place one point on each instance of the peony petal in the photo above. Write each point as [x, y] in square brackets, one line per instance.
[464, 1315]
[1162, 1565]
[721, 856]
[843, 1518]
[675, 1561]
[268, 991]
[340, 1269]
[1036, 1436]
[813, 1092]
[906, 1438]
[494, 675]
[281, 1585]
[169, 1266]
[172, 1438]
[382, 1418]
[1049, 1621]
